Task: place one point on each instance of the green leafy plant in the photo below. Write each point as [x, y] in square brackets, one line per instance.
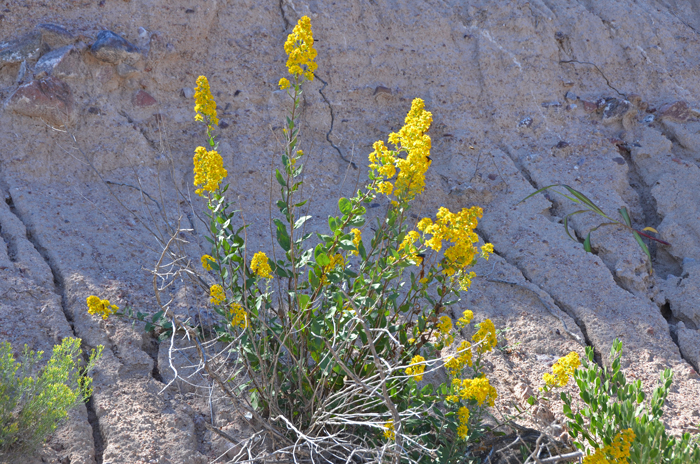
[617, 416]
[590, 207]
[32, 405]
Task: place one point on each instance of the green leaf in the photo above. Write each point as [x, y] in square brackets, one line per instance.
[280, 179]
[300, 222]
[282, 235]
[587, 243]
[345, 206]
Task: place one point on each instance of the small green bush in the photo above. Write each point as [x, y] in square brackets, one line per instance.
[617, 424]
[32, 406]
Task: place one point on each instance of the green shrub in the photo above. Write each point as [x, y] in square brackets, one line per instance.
[617, 424]
[31, 405]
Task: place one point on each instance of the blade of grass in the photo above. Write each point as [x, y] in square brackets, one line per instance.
[585, 200]
[566, 222]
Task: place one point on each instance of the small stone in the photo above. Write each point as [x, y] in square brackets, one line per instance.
[125, 70]
[49, 99]
[188, 92]
[62, 62]
[142, 99]
[570, 96]
[21, 73]
[551, 104]
[619, 161]
[381, 89]
[525, 122]
[27, 47]
[590, 107]
[676, 112]
[54, 35]
[562, 144]
[115, 49]
[615, 110]
[572, 106]
[648, 119]
[223, 124]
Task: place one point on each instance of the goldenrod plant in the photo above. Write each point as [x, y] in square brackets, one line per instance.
[337, 334]
[33, 404]
[618, 425]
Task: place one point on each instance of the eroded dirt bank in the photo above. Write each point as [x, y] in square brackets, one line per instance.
[524, 94]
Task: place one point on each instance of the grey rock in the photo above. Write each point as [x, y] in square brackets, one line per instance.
[54, 35]
[648, 119]
[115, 49]
[615, 110]
[683, 294]
[21, 73]
[570, 96]
[678, 111]
[27, 47]
[62, 62]
[187, 92]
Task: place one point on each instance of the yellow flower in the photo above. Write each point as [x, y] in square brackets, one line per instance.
[300, 50]
[97, 306]
[238, 316]
[205, 106]
[336, 260]
[458, 229]
[464, 357]
[411, 158]
[260, 265]
[208, 170]
[616, 452]
[444, 326]
[284, 83]
[389, 432]
[478, 389]
[465, 319]
[562, 369]
[485, 336]
[463, 418]
[357, 238]
[206, 262]
[416, 368]
[216, 292]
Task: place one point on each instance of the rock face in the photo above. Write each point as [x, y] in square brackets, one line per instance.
[49, 99]
[596, 95]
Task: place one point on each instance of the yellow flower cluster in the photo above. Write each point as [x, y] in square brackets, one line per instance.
[478, 389]
[485, 336]
[463, 419]
[336, 260]
[416, 368]
[357, 238]
[260, 265]
[445, 337]
[217, 294]
[562, 369]
[206, 262]
[411, 140]
[408, 247]
[466, 318]
[238, 316]
[97, 306]
[208, 170]
[464, 357]
[284, 83]
[389, 432]
[615, 453]
[205, 106]
[458, 229]
[300, 49]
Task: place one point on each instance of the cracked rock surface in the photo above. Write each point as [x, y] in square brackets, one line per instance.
[95, 168]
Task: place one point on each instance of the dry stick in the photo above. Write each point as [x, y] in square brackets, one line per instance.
[202, 356]
[387, 399]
